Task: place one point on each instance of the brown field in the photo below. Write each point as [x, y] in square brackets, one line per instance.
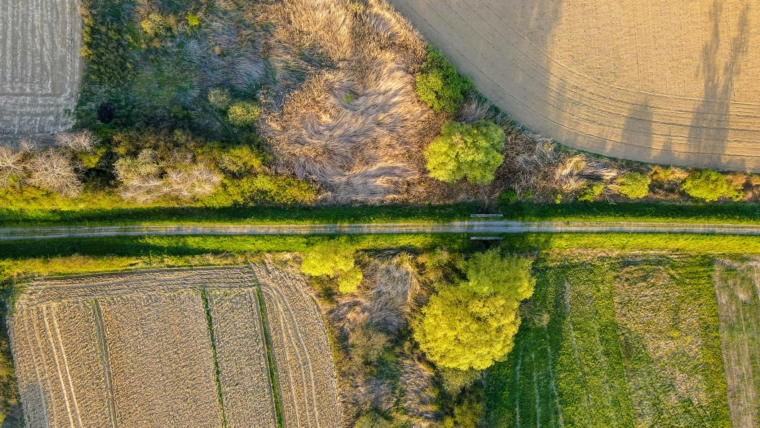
[135, 350]
[303, 358]
[40, 67]
[659, 81]
[737, 286]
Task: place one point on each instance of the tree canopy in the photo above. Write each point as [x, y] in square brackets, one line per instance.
[439, 85]
[466, 151]
[334, 260]
[472, 325]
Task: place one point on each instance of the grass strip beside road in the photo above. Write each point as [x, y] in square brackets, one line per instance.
[735, 213]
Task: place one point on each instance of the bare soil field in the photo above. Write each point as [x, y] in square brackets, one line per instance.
[737, 286]
[302, 353]
[647, 80]
[143, 349]
[40, 67]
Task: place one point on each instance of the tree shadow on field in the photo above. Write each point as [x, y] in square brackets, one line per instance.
[711, 121]
[639, 127]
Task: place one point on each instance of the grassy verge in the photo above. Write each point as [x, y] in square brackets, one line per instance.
[742, 213]
[590, 353]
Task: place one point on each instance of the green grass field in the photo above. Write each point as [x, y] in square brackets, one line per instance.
[621, 340]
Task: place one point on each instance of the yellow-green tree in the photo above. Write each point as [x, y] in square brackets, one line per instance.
[334, 260]
[472, 325]
[472, 152]
[463, 330]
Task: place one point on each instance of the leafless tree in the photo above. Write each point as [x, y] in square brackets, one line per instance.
[198, 181]
[81, 141]
[53, 171]
[11, 163]
[140, 177]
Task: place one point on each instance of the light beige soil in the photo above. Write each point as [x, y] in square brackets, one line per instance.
[649, 80]
[303, 358]
[40, 67]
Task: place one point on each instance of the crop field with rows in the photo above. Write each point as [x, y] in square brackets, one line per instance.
[40, 66]
[165, 348]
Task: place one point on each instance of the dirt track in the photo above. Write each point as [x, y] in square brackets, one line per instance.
[473, 227]
[650, 80]
[40, 67]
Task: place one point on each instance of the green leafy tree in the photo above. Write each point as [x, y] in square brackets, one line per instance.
[349, 281]
[466, 151]
[463, 330]
[439, 85]
[489, 273]
[243, 114]
[633, 185]
[710, 186]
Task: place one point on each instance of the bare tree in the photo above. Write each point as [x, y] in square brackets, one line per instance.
[140, 178]
[11, 163]
[53, 171]
[198, 181]
[81, 141]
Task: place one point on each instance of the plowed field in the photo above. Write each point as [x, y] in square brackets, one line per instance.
[40, 66]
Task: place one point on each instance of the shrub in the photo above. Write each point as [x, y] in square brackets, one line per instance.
[372, 420]
[439, 85]
[240, 160]
[349, 281]
[91, 158]
[154, 25]
[508, 196]
[710, 186]
[633, 185]
[591, 191]
[193, 20]
[467, 414]
[262, 189]
[349, 97]
[463, 330]
[220, 98]
[466, 151]
[331, 259]
[489, 273]
[367, 344]
[243, 114]
[455, 380]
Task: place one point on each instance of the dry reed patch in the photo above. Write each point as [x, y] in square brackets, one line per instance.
[302, 353]
[243, 366]
[662, 344]
[737, 286]
[40, 67]
[357, 128]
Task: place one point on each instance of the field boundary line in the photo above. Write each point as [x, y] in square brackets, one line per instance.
[105, 361]
[256, 312]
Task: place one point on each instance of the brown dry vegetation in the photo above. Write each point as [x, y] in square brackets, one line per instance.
[737, 287]
[356, 127]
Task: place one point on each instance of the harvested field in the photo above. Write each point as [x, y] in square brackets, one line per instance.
[243, 367]
[648, 80]
[40, 67]
[737, 286]
[302, 353]
[143, 349]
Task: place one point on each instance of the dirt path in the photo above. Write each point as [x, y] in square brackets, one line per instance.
[469, 227]
[648, 80]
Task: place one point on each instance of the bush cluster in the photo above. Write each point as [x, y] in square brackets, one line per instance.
[439, 85]
[334, 260]
[710, 186]
[633, 185]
